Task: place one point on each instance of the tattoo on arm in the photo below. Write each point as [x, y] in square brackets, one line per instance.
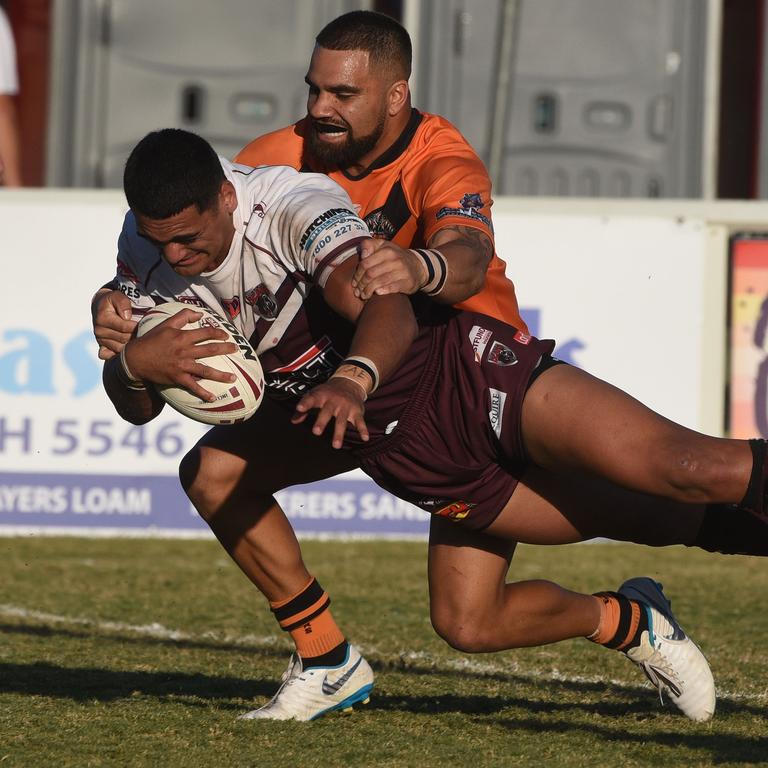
[469, 236]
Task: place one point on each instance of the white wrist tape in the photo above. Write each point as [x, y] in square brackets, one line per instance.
[125, 375]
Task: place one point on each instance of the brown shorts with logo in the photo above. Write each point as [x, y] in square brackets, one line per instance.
[457, 447]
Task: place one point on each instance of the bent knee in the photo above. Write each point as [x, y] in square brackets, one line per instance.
[209, 478]
[464, 631]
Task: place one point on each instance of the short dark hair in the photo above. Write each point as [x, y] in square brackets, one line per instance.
[386, 41]
[169, 170]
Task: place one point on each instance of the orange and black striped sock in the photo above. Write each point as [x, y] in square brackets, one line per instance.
[306, 616]
[622, 622]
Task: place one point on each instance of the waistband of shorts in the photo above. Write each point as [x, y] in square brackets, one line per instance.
[416, 408]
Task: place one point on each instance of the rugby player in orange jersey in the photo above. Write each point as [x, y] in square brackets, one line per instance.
[413, 177]
[471, 605]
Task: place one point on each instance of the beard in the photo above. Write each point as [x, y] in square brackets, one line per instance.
[343, 155]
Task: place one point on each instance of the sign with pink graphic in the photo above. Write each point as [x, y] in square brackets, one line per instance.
[748, 399]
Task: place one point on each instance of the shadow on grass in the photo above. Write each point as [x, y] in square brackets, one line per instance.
[92, 684]
[622, 702]
[722, 747]
[604, 699]
[84, 684]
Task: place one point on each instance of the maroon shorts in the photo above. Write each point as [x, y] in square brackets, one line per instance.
[457, 448]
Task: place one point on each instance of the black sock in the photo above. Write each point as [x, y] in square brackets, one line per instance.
[732, 530]
[754, 497]
[631, 621]
[333, 658]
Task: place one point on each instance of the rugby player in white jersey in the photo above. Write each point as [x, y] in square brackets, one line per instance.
[251, 251]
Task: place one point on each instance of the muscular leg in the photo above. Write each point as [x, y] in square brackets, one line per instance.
[472, 606]
[231, 475]
[474, 610]
[571, 420]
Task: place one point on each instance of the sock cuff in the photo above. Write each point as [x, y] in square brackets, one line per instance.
[301, 607]
[619, 620]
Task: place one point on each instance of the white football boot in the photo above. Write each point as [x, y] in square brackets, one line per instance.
[669, 658]
[309, 693]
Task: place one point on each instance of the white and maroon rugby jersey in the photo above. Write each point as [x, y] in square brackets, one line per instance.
[291, 231]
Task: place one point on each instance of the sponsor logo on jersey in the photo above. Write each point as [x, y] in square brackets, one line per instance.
[263, 301]
[479, 338]
[500, 354]
[330, 218]
[307, 370]
[496, 414]
[379, 225]
[231, 306]
[469, 207]
[522, 338]
[456, 510]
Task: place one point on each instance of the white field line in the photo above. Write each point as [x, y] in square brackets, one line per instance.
[154, 630]
[159, 632]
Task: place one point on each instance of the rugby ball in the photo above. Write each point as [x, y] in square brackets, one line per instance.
[234, 402]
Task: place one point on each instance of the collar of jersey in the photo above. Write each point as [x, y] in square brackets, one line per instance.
[397, 149]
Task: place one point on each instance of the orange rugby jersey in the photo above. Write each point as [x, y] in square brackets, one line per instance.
[428, 179]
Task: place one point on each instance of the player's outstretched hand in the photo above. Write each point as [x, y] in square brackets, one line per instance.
[112, 323]
[339, 399]
[167, 354]
[387, 268]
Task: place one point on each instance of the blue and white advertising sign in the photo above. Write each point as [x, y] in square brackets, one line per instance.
[638, 301]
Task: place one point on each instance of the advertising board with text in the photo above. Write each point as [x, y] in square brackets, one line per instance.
[69, 463]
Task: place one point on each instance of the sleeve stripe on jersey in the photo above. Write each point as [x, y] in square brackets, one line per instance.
[327, 265]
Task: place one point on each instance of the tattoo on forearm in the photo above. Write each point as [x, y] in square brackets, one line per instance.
[468, 236]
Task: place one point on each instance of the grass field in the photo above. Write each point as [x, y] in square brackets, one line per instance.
[143, 652]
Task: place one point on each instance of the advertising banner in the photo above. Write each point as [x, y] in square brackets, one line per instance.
[627, 299]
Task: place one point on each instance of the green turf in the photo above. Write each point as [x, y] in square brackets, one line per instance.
[143, 652]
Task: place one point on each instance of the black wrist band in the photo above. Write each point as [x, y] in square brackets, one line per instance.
[437, 270]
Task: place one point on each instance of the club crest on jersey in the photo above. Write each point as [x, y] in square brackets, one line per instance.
[231, 306]
[479, 338]
[469, 207]
[500, 354]
[380, 225]
[263, 301]
[258, 210]
[472, 200]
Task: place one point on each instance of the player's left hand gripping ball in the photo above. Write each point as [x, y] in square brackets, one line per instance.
[234, 402]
